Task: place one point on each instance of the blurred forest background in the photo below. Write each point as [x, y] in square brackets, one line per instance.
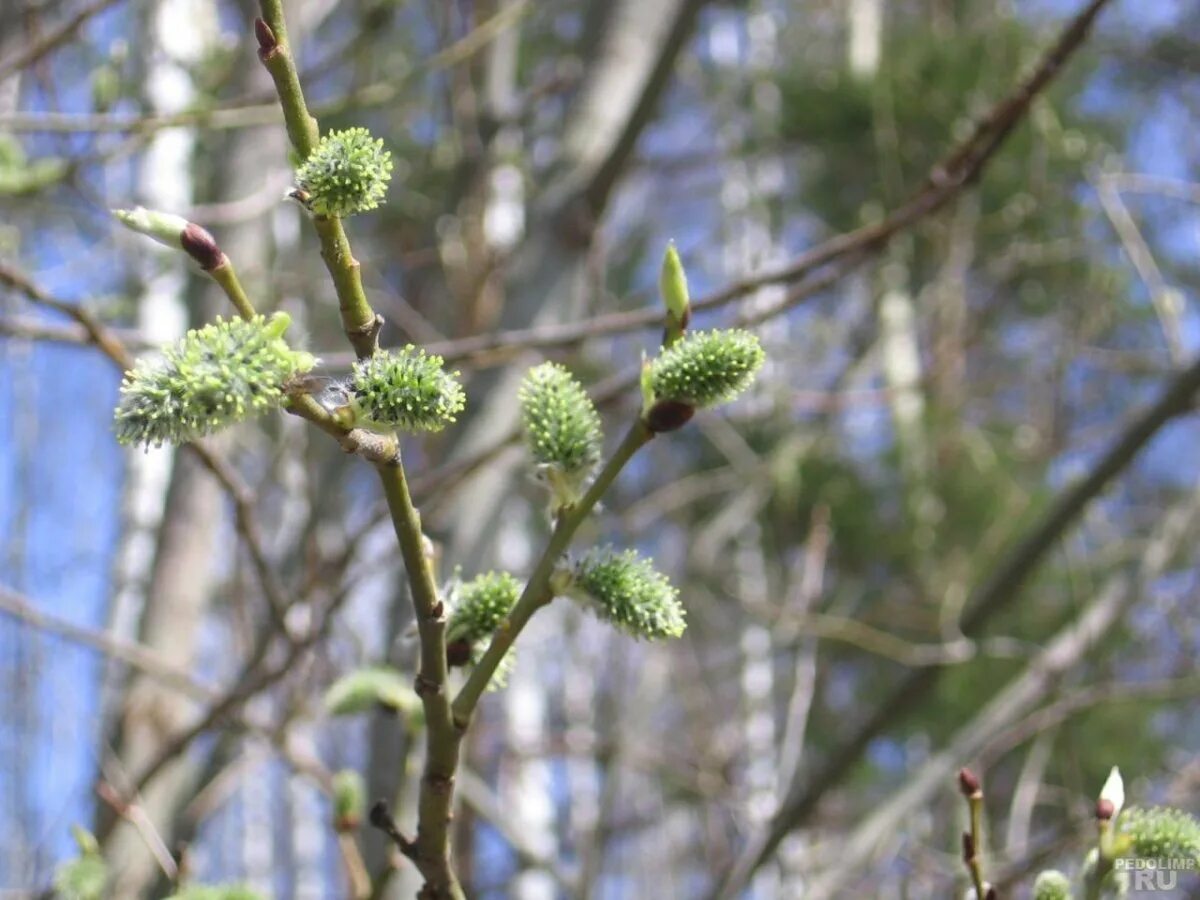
[955, 523]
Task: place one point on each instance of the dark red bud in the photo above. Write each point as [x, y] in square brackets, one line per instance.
[201, 247]
[267, 42]
[991, 894]
[968, 783]
[669, 415]
[1104, 809]
[380, 817]
[458, 653]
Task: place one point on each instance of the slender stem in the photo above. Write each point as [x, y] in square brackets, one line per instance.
[226, 276]
[441, 759]
[356, 870]
[359, 320]
[362, 325]
[537, 591]
[1094, 882]
[974, 861]
[301, 126]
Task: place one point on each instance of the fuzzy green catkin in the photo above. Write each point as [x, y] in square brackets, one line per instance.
[406, 389]
[213, 377]
[562, 429]
[347, 173]
[706, 368]
[629, 592]
[483, 603]
[1051, 884]
[1160, 832]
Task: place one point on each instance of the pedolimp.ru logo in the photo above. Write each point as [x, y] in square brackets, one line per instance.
[1155, 874]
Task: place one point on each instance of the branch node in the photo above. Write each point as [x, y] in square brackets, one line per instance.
[268, 44]
[381, 818]
[426, 687]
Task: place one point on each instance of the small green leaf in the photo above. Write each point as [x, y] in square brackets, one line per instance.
[366, 689]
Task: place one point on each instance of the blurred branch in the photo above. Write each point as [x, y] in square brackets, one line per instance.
[107, 340]
[1063, 652]
[30, 328]
[1167, 303]
[999, 590]
[1015, 568]
[52, 40]
[164, 670]
[264, 111]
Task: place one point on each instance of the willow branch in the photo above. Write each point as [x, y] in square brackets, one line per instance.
[359, 320]
[537, 592]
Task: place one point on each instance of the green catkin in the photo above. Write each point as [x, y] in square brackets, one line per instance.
[561, 428]
[213, 377]
[347, 173]
[706, 368]
[629, 592]
[405, 389]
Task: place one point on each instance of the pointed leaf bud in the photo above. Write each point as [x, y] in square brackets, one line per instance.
[704, 369]
[347, 173]
[627, 590]
[267, 42]
[165, 228]
[1112, 796]
[562, 430]
[405, 389]
[349, 800]
[672, 284]
[213, 377]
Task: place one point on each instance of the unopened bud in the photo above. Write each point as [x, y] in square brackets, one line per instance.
[348, 800]
[165, 228]
[267, 42]
[968, 782]
[1114, 793]
[202, 247]
[673, 286]
[668, 415]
